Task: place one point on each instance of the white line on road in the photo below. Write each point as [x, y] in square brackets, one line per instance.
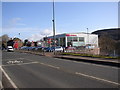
[14, 59]
[90, 64]
[85, 75]
[20, 64]
[96, 65]
[1, 86]
[50, 65]
[12, 83]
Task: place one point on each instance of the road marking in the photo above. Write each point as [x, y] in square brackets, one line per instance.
[21, 64]
[97, 65]
[50, 65]
[85, 75]
[90, 64]
[1, 86]
[99, 59]
[9, 79]
[14, 62]
[14, 59]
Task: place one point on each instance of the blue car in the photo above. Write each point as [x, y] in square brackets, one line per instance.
[48, 49]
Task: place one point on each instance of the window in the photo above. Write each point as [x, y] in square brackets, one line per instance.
[81, 39]
[69, 39]
[75, 39]
[62, 41]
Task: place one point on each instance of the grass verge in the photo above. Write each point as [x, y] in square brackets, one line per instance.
[89, 55]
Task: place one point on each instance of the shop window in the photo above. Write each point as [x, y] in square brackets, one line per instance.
[81, 39]
[62, 41]
[75, 39]
[69, 39]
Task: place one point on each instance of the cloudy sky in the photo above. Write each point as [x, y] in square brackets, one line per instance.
[33, 20]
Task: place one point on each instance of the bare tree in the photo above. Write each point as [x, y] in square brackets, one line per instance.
[5, 38]
[107, 44]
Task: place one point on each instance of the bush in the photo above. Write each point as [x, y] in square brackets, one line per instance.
[88, 55]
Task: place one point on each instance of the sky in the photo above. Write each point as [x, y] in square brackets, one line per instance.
[33, 20]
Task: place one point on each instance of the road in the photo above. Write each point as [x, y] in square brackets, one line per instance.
[33, 71]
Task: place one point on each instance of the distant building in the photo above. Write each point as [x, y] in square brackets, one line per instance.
[73, 39]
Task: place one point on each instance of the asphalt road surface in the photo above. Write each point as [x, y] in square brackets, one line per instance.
[33, 71]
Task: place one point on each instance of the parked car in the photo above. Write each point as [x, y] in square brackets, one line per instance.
[58, 49]
[32, 48]
[48, 49]
[23, 48]
[10, 48]
[70, 49]
[38, 48]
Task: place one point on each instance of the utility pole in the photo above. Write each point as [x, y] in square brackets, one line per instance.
[87, 36]
[54, 38]
[19, 35]
[88, 39]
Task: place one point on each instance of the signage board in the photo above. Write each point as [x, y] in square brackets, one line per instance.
[78, 43]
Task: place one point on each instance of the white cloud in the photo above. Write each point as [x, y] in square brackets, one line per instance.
[35, 37]
[15, 20]
[33, 34]
[40, 35]
[47, 32]
[21, 24]
[12, 23]
[27, 30]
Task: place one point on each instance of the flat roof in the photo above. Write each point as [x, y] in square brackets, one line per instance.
[64, 34]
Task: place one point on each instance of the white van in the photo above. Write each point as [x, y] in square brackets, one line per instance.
[10, 48]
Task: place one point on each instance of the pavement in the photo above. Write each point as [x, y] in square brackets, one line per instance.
[111, 62]
[27, 70]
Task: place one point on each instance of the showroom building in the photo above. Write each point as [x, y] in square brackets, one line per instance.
[73, 39]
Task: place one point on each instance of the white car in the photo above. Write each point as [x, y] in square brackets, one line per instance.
[59, 49]
[10, 48]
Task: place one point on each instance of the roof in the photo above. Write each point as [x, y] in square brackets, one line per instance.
[64, 34]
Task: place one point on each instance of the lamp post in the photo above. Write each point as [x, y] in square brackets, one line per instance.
[19, 35]
[54, 25]
[87, 36]
[88, 39]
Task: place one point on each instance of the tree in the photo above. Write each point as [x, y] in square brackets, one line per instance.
[29, 44]
[5, 38]
[107, 44]
[10, 43]
[18, 41]
[117, 48]
[25, 42]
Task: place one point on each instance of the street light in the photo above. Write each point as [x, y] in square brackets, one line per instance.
[54, 25]
[19, 35]
[88, 36]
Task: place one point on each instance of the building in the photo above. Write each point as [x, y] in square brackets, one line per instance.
[73, 39]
